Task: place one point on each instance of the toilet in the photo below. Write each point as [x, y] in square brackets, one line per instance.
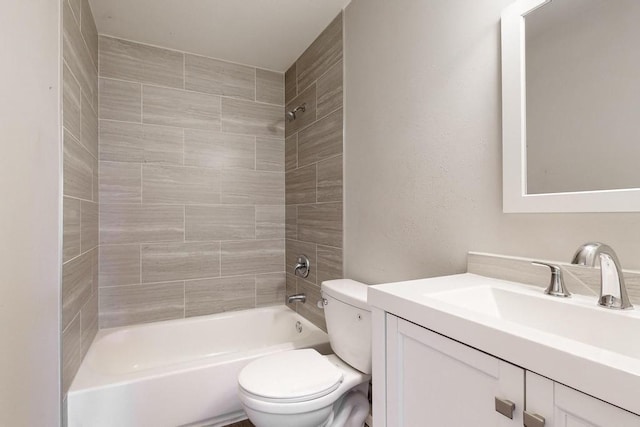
[302, 388]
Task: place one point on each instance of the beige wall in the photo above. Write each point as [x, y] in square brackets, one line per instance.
[30, 217]
[423, 148]
[314, 165]
[191, 185]
[80, 177]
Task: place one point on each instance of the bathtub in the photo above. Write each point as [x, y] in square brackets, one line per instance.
[180, 372]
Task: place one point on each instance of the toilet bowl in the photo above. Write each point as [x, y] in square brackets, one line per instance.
[302, 388]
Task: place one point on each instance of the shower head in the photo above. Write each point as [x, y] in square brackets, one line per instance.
[291, 115]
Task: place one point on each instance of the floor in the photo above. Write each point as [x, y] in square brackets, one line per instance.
[244, 423]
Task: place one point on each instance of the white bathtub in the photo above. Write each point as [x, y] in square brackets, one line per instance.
[180, 372]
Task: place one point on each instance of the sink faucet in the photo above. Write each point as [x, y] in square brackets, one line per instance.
[613, 292]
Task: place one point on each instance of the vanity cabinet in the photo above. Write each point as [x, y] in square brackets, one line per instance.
[432, 380]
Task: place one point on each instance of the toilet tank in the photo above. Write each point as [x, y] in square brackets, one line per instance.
[348, 318]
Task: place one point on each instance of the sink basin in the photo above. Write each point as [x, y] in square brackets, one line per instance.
[577, 318]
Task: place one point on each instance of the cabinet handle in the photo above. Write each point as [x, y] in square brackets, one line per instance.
[505, 407]
[533, 420]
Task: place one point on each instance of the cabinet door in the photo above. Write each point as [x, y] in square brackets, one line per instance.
[562, 406]
[433, 381]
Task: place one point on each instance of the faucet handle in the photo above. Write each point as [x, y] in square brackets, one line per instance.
[556, 286]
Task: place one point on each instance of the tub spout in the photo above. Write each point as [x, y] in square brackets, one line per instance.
[297, 298]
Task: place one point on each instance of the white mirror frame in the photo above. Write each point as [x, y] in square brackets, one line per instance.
[514, 143]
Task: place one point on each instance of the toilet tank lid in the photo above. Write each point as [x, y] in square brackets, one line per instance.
[348, 291]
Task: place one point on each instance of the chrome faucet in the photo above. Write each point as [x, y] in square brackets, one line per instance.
[297, 298]
[613, 292]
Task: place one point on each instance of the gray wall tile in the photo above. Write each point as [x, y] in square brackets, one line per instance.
[321, 223]
[77, 281]
[89, 127]
[119, 265]
[291, 152]
[76, 54]
[89, 225]
[131, 142]
[310, 310]
[291, 221]
[71, 228]
[296, 248]
[219, 222]
[77, 169]
[321, 140]
[270, 289]
[269, 222]
[269, 87]
[330, 180]
[120, 100]
[213, 149]
[120, 182]
[329, 263]
[173, 107]
[180, 185]
[252, 187]
[164, 262]
[323, 53]
[329, 90]
[89, 323]
[127, 305]
[140, 223]
[76, 8]
[303, 118]
[219, 77]
[290, 84]
[211, 296]
[251, 118]
[71, 102]
[89, 32]
[252, 257]
[120, 59]
[301, 185]
[71, 352]
[270, 154]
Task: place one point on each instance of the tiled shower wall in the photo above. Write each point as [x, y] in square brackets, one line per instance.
[80, 188]
[191, 185]
[313, 162]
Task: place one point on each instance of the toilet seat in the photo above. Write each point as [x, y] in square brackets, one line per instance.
[290, 377]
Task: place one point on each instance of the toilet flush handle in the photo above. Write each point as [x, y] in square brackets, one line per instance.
[322, 302]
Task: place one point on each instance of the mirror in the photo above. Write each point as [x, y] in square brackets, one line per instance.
[571, 106]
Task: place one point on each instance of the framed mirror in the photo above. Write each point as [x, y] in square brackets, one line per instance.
[571, 106]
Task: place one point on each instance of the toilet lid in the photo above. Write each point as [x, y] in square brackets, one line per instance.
[296, 375]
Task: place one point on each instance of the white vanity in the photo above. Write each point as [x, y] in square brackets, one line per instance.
[466, 350]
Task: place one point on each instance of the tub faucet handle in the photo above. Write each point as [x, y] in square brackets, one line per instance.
[556, 286]
[302, 267]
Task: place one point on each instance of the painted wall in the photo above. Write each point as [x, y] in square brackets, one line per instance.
[313, 161]
[191, 185]
[423, 148]
[31, 213]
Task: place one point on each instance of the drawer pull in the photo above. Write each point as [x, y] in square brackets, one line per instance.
[505, 407]
[533, 420]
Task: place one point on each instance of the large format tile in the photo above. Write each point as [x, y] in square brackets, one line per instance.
[252, 118]
[164, 262]
[120, 100]
[77, 281]
[89, 128]
[330, 180]
[321, 55]
[211, 296]
[219, 223]
[301, 185]
[132, 142]
[119, 265]
[294, 249]
[329, 90]
[89, 225]
[270, 154]
[269, 222]
[89, 32]
[321, 224]
[219, 77]
[127, 305]
[290, 84]
[71, 102]
[180, 185]
[173, 107]
[270, 289]
[70, 228]
[321, 140]
[252, 187]
[71, 352]
[77, 169]
[76, 54]
[291, 287]
[310, 310]
[120, 182]
[252, 257]
[212, 149]
[269, 87]
[120, 59]
[291, 152]
[329, 263]
[89, 323]
[140, 223]
[303, 118]
[291, 222]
